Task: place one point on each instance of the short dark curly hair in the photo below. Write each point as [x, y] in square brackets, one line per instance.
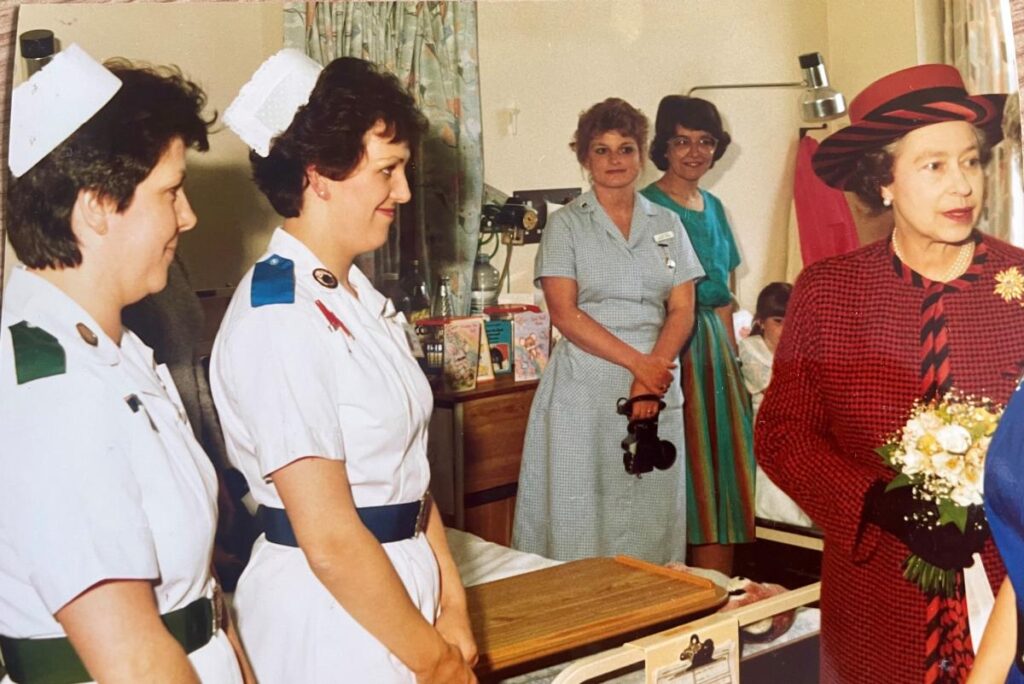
[689, 112]
[874, 170]
[110, 154]
[351, 96]
[772, 302]
[613, 114]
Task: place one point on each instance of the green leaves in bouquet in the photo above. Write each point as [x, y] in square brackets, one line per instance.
[929, 578]
[950, 512]
[901, 480]
[886, 451]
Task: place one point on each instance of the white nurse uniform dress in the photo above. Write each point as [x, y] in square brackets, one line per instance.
[101, 476]
[302, 368]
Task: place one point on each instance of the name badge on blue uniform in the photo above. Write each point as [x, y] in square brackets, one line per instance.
[662, 240]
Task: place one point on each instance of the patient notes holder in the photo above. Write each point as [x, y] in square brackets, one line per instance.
[701, 652]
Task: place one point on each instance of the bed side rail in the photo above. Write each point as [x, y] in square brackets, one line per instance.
[793, 535]
[677, 638]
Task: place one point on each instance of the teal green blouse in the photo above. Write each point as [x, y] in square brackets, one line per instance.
[712, 239]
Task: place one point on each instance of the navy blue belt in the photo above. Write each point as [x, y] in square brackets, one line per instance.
[391, 523]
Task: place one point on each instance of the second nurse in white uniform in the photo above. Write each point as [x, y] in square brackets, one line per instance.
[324, 408]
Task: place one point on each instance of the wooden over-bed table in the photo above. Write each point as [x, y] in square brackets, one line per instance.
[523, 619]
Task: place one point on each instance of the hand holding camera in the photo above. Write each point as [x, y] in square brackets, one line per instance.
[642, 450]
[653, 373]
[644, 408]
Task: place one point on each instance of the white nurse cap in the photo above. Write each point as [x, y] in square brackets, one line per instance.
[47, 108]
[267, 104]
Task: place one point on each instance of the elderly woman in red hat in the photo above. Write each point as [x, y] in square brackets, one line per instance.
[851, 365]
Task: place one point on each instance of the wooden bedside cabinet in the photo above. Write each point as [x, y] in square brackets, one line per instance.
[475, 447]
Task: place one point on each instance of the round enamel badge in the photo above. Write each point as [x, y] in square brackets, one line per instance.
[87, 334]
[325, 278]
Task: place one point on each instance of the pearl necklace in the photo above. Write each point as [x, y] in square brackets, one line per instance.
[963, 258]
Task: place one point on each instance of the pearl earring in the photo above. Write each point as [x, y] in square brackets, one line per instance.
[887, 201]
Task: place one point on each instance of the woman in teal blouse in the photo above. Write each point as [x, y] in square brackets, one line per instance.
[689, 139]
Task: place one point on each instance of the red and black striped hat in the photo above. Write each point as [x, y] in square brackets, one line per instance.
[898, 103]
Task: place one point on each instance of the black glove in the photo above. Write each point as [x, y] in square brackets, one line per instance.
[915, 522]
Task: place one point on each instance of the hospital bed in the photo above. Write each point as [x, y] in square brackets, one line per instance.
[791, 658]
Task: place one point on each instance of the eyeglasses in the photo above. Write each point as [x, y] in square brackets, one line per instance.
[682, 144]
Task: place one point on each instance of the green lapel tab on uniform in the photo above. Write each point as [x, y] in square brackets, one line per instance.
[37, 353]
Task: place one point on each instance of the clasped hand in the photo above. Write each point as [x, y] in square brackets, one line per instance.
[460, 654]
[652, 375]
[450, 668]
[914, 521]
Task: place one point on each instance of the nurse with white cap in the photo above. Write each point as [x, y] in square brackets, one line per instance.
[107, 502]
[323, 406]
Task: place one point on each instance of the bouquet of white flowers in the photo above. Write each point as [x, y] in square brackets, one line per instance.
[940, 453]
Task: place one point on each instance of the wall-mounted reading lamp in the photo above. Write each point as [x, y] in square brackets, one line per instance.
[819, 102]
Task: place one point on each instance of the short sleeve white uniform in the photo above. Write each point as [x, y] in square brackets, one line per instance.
[288, 385]
[92, 490]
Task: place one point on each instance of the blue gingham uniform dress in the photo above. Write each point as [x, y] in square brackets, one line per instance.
[575, 499]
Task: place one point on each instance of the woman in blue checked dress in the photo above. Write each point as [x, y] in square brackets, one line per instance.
[617, 273]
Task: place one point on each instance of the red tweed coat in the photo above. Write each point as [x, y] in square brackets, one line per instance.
[845, 375]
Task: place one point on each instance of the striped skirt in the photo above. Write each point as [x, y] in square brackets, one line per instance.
[719, 438]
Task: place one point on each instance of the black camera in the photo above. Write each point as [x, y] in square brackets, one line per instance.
[642, 450]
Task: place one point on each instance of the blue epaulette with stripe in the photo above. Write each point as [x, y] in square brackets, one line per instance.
[273, 282]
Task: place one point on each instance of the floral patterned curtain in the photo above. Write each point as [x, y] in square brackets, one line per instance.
[979, 42]
[432, 48]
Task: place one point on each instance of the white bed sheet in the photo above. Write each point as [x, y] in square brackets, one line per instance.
[482, 561]
[772, 503]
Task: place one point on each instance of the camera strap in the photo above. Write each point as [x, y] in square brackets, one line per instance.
[624, 406]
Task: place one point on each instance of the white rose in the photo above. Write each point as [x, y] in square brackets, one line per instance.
[913, 431]
[930, 422]
[966, 495]
[947, 466]
[913, 462]
[954, 439]
[975, 457]
[974, 477]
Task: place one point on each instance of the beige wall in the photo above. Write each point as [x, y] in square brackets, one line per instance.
[870, 38]
[218, 45]
[550, 60]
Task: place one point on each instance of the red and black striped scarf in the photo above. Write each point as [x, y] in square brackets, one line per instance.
[949, 653]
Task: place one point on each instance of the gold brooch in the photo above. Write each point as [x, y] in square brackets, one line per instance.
[1010, 285]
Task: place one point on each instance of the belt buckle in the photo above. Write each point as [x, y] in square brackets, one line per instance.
[421, 514]
[217, 601]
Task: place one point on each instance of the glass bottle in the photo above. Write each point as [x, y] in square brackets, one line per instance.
[443, 305]
[37, 49]
[415, 302]
[484, 290]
